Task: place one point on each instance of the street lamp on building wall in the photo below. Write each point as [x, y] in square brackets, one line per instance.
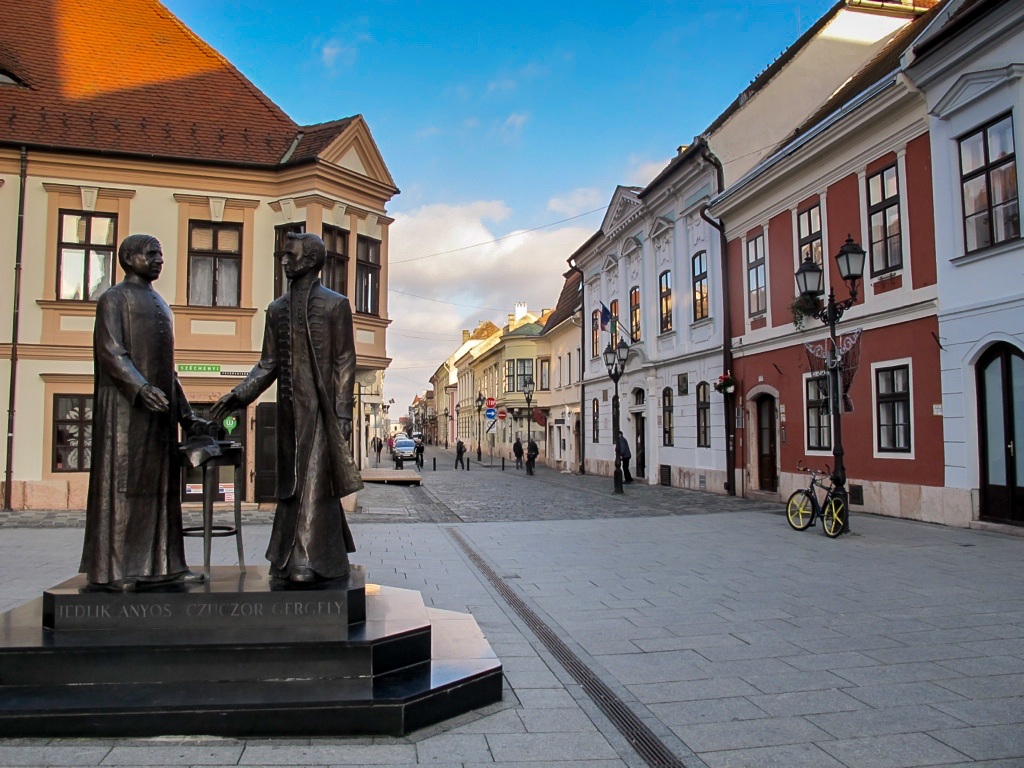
[447, 427]
[458, 425]
[615, 362]
[810, 281]
[480, 400]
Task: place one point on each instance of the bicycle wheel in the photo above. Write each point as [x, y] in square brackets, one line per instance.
[833, 516]
[800, 510]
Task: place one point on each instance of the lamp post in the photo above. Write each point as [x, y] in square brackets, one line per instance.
[458, 425]
[615, 362]
[810, 282]
[528, 393]
[447, 427]
[480, 399]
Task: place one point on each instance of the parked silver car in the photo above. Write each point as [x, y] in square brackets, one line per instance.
[405, 448]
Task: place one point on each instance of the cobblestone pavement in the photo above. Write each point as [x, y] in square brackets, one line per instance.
[734, 640]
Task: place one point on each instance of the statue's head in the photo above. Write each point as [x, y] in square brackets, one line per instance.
[303, 253]
[141, 255]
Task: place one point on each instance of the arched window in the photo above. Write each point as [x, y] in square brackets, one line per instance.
[666, 416]
[703, 415]
[700, 286]
[595, 332]
[665, 300]
[595, 415]
[634, 313]
[639, 396]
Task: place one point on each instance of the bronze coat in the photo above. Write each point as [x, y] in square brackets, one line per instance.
[328, 317]
[133, 514]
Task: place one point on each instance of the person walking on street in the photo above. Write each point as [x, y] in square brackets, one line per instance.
[624, 455]
[531, 455]
[517, 451]
[419, 453]
[378, 446]
[391, 444]
[460, 454]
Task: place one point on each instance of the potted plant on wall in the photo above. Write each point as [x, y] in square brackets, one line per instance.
[726, 383]
[802, 306]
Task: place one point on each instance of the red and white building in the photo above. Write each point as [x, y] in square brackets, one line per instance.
[859, 167]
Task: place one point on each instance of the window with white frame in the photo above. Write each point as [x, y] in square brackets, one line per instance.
[214, 264]
[665, 300]
[614, 310]
[757, 297]
[892, 409]
[701, 309]
[988, 180]
[367, 288]
[595, 333]
[72, 433]
[85, 254]
[517, 372]
[545, 373]
[884, 221]
[558, 371]
[809, 231]
[634, 313]
[818, 418]
[703, 415]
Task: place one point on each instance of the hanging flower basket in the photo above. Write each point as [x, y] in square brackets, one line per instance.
[726, 384]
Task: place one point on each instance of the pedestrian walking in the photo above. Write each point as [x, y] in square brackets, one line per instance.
[531, 456]
[378, 447]
[391, 444]
[517, 451]
[460, 454]
[419, 453]
[624, 455]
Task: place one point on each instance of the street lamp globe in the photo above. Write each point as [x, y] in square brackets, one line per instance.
[810, 279]
[850, 261]
[609, 357]
[621, 354]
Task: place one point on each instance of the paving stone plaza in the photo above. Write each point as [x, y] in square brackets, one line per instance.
[725, 637]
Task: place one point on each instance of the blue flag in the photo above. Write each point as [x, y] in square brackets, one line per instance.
[606, 316]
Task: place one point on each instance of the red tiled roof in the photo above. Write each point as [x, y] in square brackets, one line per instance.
[568, 300]
[128, 77]
[316, 138]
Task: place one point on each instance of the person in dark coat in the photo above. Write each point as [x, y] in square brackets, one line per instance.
[622, 448]
[133, 528]
[309, 349]
[460, 454]
[517, 451]
[531, 455]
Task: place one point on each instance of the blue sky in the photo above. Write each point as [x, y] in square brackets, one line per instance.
[496, 119]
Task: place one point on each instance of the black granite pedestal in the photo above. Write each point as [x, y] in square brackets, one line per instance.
[241, 655]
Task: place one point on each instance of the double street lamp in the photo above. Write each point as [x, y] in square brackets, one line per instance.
[480, 400]
[528, 393]
[615, 362]
[810, 278]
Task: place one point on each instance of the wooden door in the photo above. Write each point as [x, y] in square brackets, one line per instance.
[1001, 422]
[767, 474]
[640, 448]
[266, 452]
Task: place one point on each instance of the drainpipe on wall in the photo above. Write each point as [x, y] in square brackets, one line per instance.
[579, 362]
[730, 417]
[9, 472]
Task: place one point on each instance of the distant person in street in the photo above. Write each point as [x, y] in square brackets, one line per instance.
[419, 452]
[391, 444]
[460, 454]
[517, 451]
[622, 444]
[378, 447]
[531, 455]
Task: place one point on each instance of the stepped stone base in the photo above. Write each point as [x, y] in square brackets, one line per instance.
[338, 658]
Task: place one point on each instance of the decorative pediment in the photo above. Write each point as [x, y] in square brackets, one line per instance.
[624, 203]
[661, 228]
[630, 246]
[973, 86]
[610, 263]
[355, 150]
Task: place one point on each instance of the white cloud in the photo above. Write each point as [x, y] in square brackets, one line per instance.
[428, 132]
[489, 277]
[578, 201]
[503, 84]
[513, 126]
[642, 171]
[334, 54]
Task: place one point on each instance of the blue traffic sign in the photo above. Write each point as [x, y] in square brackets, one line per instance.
[491, 413]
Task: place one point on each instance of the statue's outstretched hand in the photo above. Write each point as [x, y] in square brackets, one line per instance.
[346, 427]
[226, 405]
[154, 399]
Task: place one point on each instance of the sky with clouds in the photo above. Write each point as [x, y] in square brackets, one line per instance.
[507, 126]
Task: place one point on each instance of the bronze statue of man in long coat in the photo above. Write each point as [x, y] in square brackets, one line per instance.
[309, 349]
[133, 528]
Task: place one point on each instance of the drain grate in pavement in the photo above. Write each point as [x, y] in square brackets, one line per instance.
[646, 743]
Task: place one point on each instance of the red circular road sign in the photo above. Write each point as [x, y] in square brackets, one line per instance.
[491, 402]
[502, 414]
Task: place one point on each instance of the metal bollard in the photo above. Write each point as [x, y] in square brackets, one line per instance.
[467, 464]
[502, 463]
[434, 460]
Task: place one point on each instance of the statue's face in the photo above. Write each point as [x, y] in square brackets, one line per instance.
[147, 263]
[295, 263]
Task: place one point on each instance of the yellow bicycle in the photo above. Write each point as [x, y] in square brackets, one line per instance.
[803, 507]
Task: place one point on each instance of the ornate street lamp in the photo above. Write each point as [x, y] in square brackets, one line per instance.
[447, 427]
[458, 424]
[615, 362]
[480, 400]
[810, 282]
[528, 393]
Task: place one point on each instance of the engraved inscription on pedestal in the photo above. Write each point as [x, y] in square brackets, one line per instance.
[229, 601]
